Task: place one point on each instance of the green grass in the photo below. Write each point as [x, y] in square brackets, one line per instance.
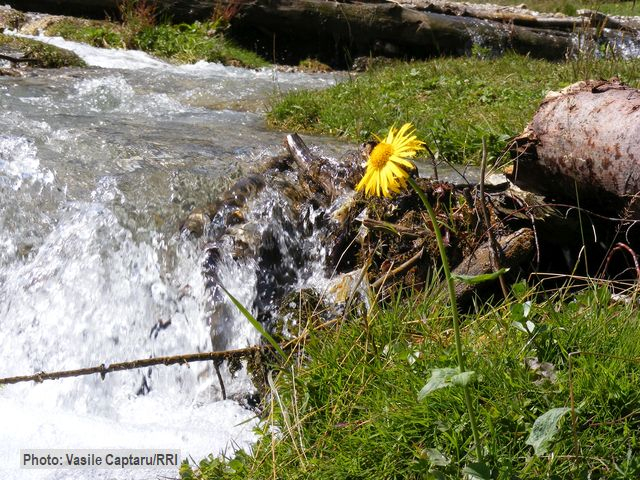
[350, 411]
[182, 43]
[188, 43]
[94, 33]
[569, 7]
[453, 102]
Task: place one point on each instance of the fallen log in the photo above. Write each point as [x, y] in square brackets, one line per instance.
[334, 32]
[505, 14]
[583, 147]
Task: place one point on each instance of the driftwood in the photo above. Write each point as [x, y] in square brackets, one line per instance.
[12, 59]
[522, 16]
[583, 147]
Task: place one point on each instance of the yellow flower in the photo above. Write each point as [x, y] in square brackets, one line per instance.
[387, 164]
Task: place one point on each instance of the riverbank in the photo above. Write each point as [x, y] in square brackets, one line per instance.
[140, 30]
[455, 103]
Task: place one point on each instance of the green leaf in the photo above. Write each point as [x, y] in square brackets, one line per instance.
[463, 379]
[477, 279]
[436, 457]
[544, 430]
[443, 378]
[477, 471]
[256, 324]
[440, 378]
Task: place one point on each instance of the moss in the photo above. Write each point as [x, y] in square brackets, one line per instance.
[312, 65]
[40, 54]
[10, 18]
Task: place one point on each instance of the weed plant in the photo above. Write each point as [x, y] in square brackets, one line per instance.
[352, 412]
[454, 102]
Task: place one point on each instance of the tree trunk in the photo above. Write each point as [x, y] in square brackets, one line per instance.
[289, 30]
[583, 147]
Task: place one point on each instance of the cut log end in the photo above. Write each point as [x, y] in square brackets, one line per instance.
[582, 146]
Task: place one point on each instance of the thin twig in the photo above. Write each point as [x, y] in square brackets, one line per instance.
[434, 162]
[401, 268]
[103, 369]
[634, 256]
[216, 366]
[9, 58]
[183, 359]
[392, 227]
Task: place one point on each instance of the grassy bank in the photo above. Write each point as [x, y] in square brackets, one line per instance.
[454, 102]
[181, 43]
[350, 408]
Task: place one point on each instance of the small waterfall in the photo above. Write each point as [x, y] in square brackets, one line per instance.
[98, 168]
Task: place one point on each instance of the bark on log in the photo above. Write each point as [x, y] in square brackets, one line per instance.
[504, 14]
[583, 147]
[337, 32]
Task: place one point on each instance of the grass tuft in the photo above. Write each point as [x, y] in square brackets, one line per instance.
[355, 395]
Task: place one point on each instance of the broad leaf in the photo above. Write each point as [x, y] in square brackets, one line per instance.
[544, 430]
[477, 471]
[445, 377]
[436, 457]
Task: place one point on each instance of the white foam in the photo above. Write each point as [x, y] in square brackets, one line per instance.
[103, 57]
[19, 162]
[92, 295]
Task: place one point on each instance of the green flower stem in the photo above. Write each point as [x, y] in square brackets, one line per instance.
[454, 310]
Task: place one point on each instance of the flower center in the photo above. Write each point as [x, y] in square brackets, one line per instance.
[380, 155]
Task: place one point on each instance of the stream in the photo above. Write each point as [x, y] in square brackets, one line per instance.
[98, 167]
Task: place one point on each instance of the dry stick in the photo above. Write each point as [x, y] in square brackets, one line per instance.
[223, 391]
[16, 59]
[171, 360]
[495, 246]
[391, 227]
[634, 256]
[133, 364]
[434, 162]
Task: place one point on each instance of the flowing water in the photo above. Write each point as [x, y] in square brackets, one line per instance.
[98, 167]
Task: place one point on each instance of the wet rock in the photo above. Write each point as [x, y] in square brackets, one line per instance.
[24, 52]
